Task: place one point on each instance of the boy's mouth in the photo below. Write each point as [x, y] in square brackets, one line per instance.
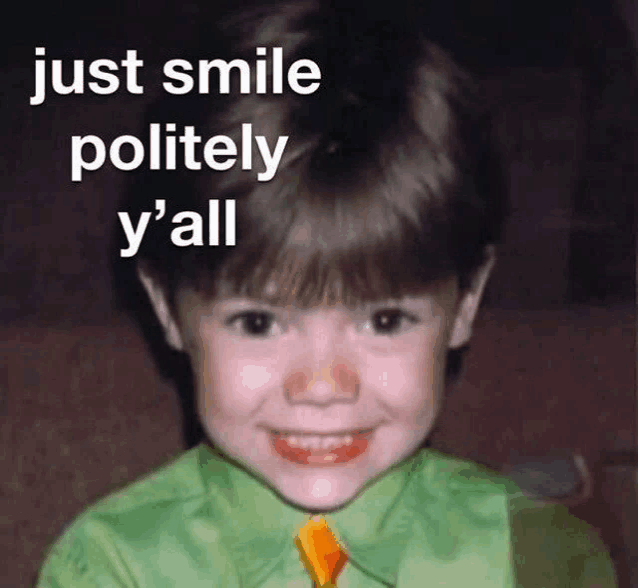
[316, 450]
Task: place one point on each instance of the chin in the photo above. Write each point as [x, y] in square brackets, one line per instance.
[317, 490]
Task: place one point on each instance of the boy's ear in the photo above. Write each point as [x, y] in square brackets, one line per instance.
[471, 299]
[162, 309]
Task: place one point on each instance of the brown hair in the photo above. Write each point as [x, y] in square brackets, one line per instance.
[388, 180]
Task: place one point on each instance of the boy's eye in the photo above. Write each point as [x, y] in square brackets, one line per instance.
[254, 323]
[389, 321]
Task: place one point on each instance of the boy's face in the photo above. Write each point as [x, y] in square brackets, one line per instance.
[321, 401]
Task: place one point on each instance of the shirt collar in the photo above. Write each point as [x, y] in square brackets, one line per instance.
[257, 527]
[429, 510]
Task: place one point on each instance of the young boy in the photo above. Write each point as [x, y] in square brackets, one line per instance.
[319, 345]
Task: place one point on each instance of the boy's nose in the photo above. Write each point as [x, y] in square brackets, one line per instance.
[334, 381]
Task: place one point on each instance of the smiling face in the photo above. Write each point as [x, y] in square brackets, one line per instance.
[318, 402]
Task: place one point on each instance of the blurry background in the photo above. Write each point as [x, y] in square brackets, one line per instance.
[553, 364]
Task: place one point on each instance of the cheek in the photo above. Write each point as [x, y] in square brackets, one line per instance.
[410, 380]
[252, 378]
[230, 382]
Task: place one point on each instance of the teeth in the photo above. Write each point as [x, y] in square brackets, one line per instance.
[316, 442]
[306, 442]
[329, 442]
[313, 443]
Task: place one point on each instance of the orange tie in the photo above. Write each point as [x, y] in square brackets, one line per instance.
[320, 553]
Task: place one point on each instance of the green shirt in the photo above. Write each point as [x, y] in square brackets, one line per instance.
[432, 520]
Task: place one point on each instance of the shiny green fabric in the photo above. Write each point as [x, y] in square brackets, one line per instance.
[431, 521]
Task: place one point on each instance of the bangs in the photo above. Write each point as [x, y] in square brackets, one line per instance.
[314, 248]
[306, 281]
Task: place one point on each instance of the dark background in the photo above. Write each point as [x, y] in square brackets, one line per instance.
[83, 411]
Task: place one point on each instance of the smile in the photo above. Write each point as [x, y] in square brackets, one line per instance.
[312, 449]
